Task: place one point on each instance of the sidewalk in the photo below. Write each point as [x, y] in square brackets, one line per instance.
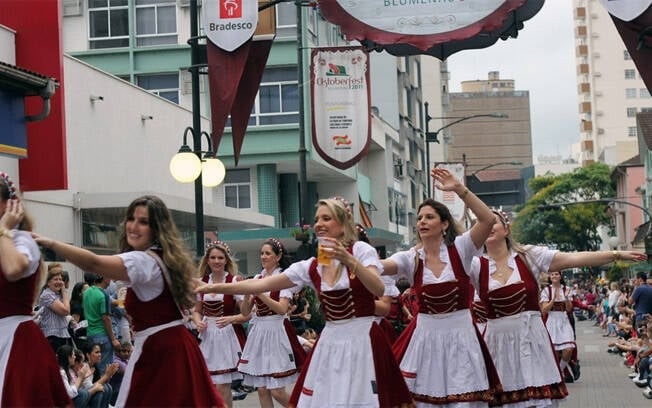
[604, 381]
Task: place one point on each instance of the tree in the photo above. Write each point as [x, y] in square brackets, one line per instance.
[571, 227]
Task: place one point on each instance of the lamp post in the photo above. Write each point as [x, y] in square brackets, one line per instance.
[187, 163]
[431, 137]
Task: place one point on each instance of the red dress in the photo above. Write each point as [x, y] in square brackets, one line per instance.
[31, 375]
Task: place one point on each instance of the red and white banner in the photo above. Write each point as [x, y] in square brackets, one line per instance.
[626, 10]
[229, 23]
[341, 121]
[449, 198]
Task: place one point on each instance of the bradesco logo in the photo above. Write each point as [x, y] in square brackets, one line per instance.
[230, 9]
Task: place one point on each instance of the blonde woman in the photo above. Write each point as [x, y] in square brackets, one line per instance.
[166, 367]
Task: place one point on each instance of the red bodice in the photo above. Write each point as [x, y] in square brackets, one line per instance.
[444, 297]
[261, 308]
[218, 308]
[17, 298]
[340, 304]
[509, 299]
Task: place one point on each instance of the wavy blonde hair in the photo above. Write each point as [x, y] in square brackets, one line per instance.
[231, 267]
[342, 215]
[166, 235]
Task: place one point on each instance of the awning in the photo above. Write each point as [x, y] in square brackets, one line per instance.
[641, 232]
[23, 81]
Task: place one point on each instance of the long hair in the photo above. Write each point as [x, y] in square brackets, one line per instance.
[63, 353]
[512, 244]
[166, 235]
[343, 216]
[231, 267]
[278, 249]
[454, 229]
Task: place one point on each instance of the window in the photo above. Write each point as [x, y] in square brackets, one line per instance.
[278, 98]
[630, 74]
[630, 93]
[631, 112]
[631, 131]
[163, 85]
[108, 23]
[644, 93]
[646, 109]
[286, 20]
[156, 22]
[397, 206]
[626, 55]
[237, 189]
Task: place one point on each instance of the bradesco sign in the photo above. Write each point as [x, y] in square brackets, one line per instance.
[229, 23]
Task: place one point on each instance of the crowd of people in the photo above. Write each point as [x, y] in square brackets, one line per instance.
[109, 341]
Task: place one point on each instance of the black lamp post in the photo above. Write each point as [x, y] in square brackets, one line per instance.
[431, 137]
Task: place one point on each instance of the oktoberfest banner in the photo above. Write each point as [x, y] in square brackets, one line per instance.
[449, 198]
[341, 122]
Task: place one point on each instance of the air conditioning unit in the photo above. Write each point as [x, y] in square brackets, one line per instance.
[72, 8]
[597, 74]
[596, 55]
[598, 93]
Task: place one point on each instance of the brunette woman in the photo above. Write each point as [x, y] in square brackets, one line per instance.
[506, 278]
[351, 363]
[442, 355]
[56, 308]
[21, 377]
[166, 367]
[272, 355]
[216, 317]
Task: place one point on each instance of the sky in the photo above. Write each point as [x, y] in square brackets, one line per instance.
[542, 61]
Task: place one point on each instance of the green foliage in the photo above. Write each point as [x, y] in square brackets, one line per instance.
[572, 227]
[314, 308]
[617, 272]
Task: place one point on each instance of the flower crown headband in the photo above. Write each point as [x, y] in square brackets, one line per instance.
[220, 244]
[10, 185]
[361, 229]
[277, 245]
[345, 203]
[503, 216]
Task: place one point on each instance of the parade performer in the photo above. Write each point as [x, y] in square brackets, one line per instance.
[166, 367]
[351, 363]
[33, 381]
[441, 354]
[556, 304]
[272, 356]
[507, 277]
[217, 318]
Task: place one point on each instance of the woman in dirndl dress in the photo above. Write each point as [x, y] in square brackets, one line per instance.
[272, 356]
[507, 280]
[441, 353]
[166, 368]
[351, 363]
[556, 302]
[29, 371]
[218, 318]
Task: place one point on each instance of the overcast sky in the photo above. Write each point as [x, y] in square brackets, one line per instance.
[541, 60]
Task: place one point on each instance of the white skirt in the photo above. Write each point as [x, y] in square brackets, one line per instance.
[267, 353]
[341, 371]
[561, 331]
[221, 350]
[521, 350]
[444, 357]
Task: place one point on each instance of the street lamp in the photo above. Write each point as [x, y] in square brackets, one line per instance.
[431, 137]
[188, 165]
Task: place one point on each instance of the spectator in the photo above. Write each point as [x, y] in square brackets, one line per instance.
[76, 305]
[121, 358]
[97, 309]
[54, 307]
[641, 298]
[72, 380]
[99, 387]
[119, 319]
[299, 315]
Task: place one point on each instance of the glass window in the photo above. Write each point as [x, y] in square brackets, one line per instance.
[397, 207]
[630, 74]
[108, 23]
[278, 98]
[644, 93]
[286, 19]
[646, 109]
[237, 188]
[631, 131]
[156, 22]
[630, 93]
[631, 112]
[163, 85]
[626, 55]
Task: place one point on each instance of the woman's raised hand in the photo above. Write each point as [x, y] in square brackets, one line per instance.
[632, 255]
[13, 214]
[444, 179]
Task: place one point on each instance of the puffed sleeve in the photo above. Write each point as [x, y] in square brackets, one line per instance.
[405, 264]
[474, 272]
[145, 276]
[26, 245]
[390, 286]
[539, 258]
[545, 294]
[367, 255]
[298, 273]
[467, 250]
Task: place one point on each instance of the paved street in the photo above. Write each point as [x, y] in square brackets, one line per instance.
[603, 384]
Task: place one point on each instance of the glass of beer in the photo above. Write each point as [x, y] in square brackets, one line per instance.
[323, 257]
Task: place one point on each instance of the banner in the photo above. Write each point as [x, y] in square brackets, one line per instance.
[341, 121]
[229, 23]
[626, 10]
[449, 198]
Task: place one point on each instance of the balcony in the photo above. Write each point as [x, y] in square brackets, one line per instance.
[582, 69]
[582, 50]
[585, 107]
[587, 146]
[584, 87]
[580, 13]
[587, 162]
[586, 126]
[581, 31]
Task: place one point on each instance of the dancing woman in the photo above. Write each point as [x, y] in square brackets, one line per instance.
[33, 381]
[217, 318]
[518, 341]
[351, 364]
[442, 355]
[166, 367]
[272, 355]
